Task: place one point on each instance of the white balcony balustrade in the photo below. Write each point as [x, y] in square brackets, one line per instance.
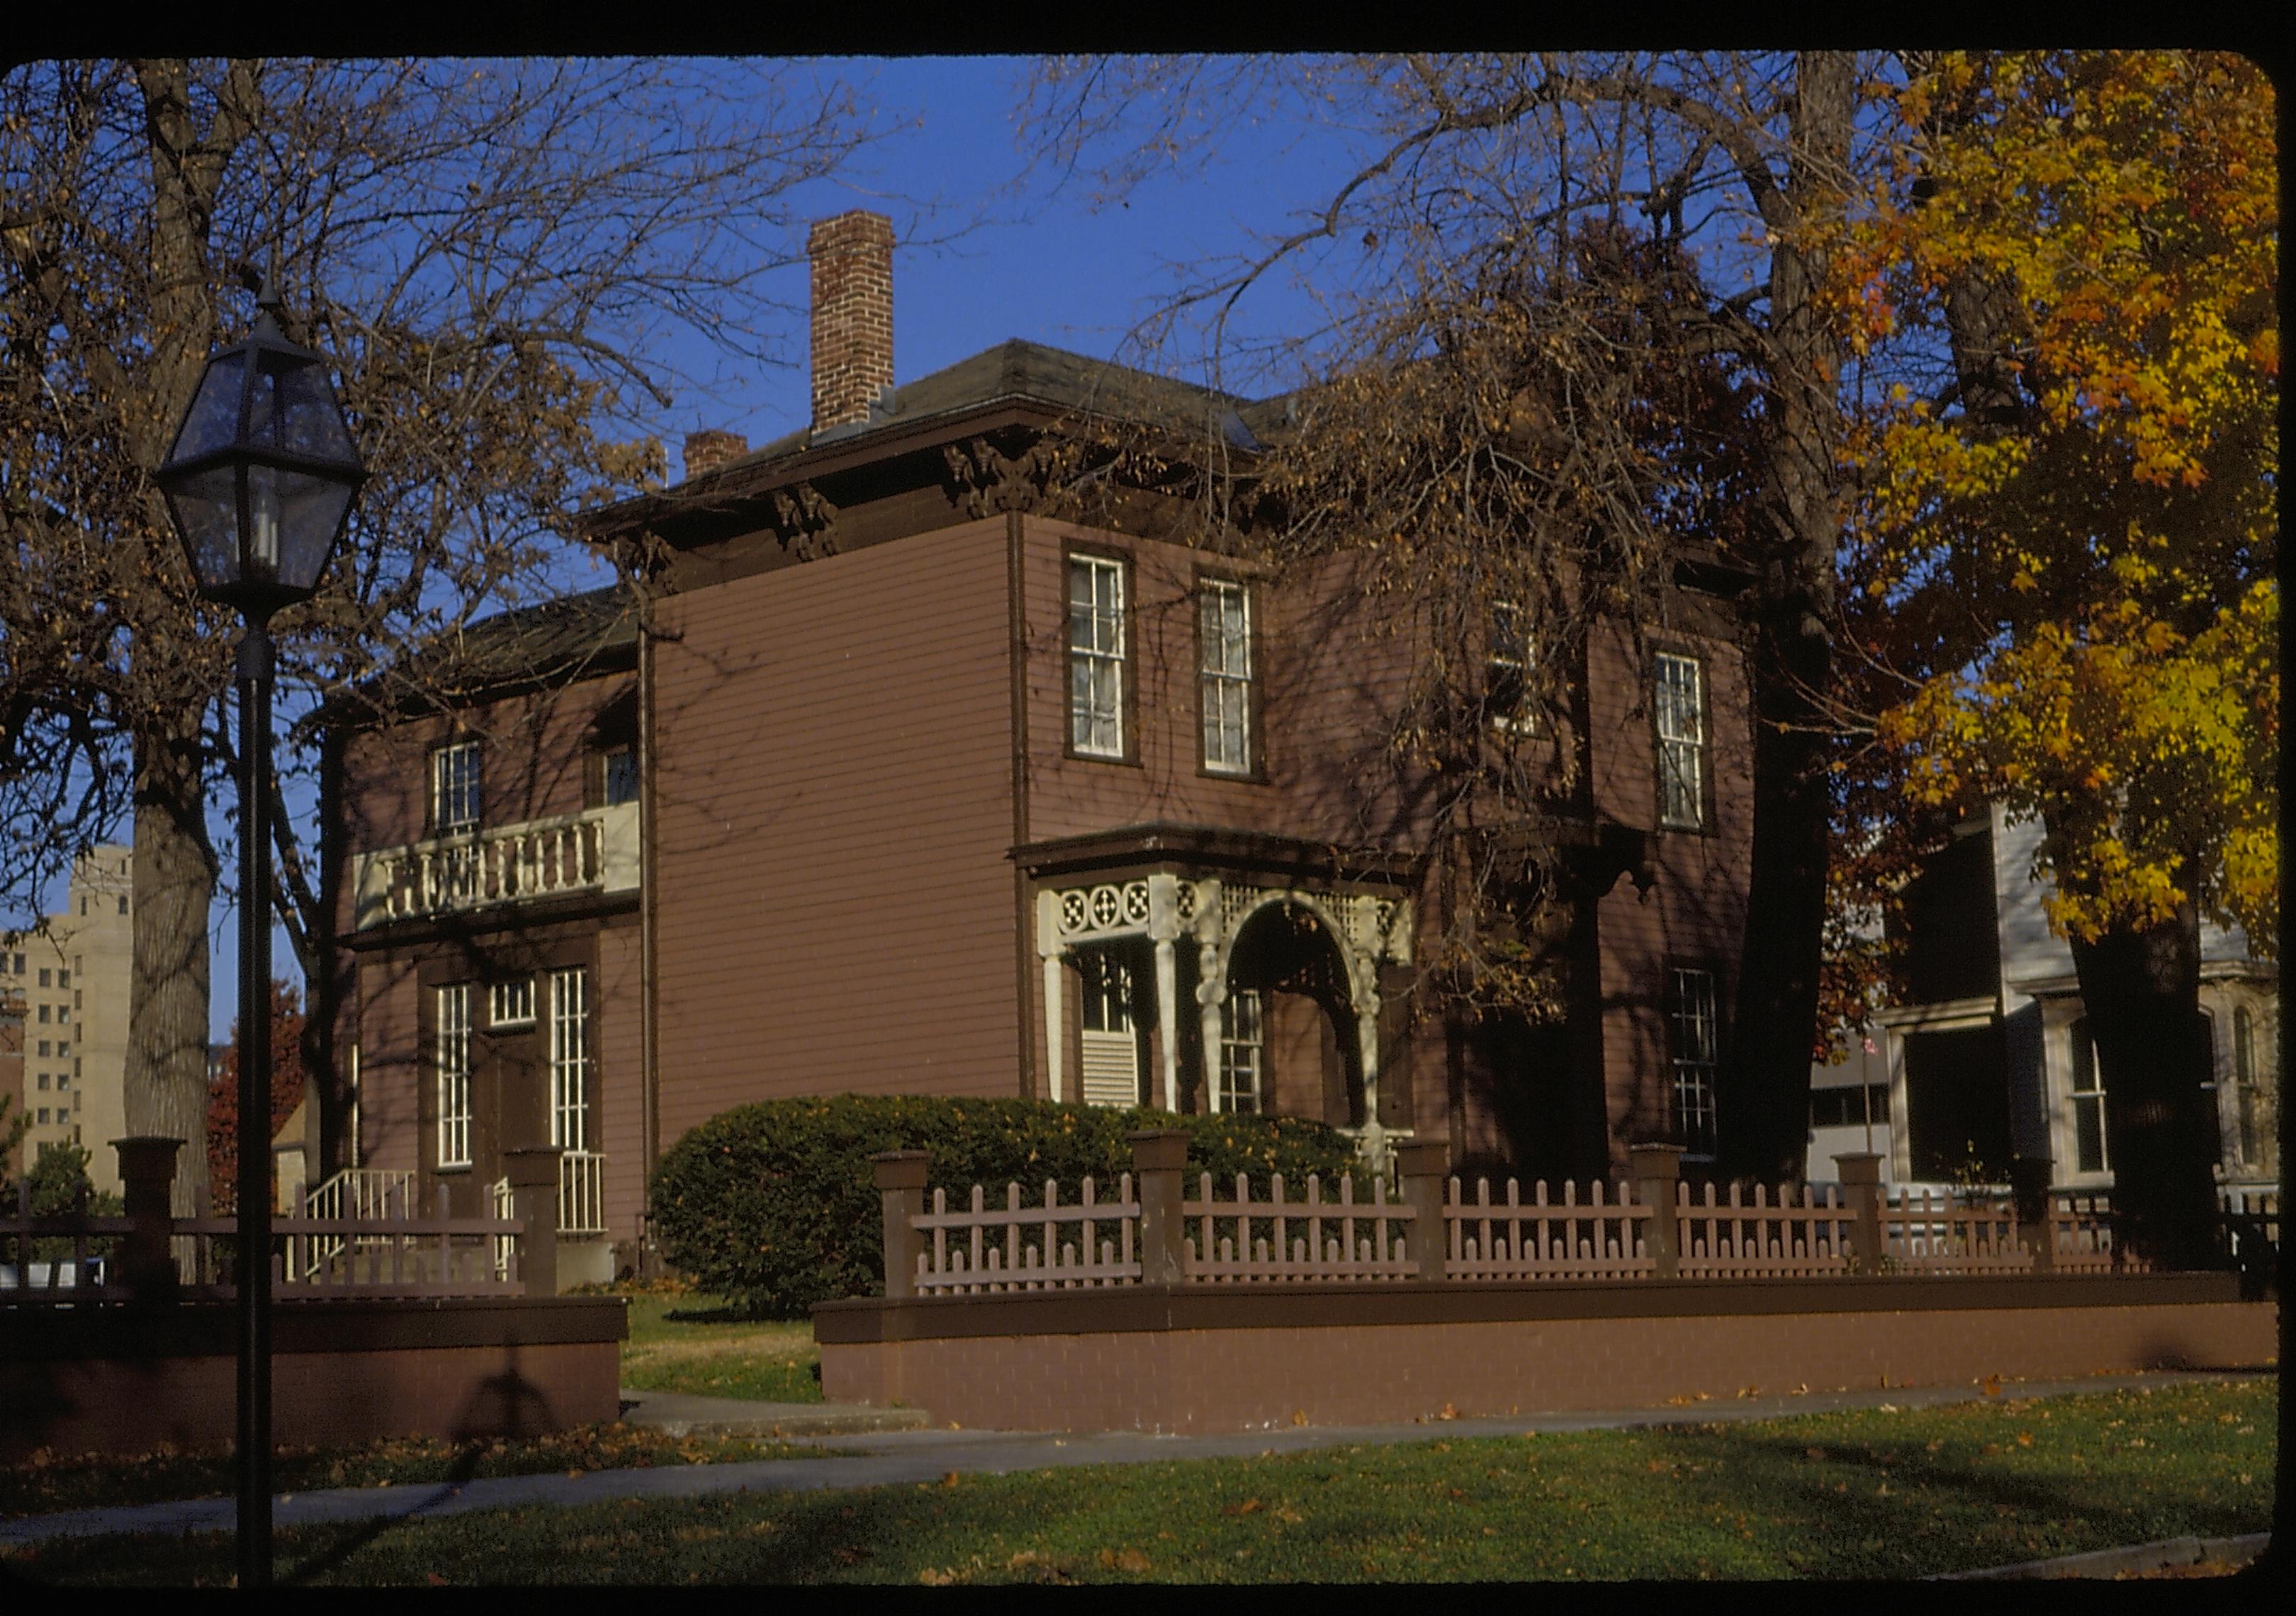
[595, 850]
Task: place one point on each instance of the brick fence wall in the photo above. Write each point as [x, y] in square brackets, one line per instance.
[1178, 1359]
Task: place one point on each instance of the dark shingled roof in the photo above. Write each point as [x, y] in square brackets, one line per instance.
[1051, 376]
[509, 647]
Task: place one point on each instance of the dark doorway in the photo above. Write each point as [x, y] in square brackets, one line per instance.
[1958, 1103]
[1313, 1064]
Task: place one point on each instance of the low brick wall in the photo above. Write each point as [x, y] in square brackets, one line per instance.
[122, 1380]
[1195, 1359]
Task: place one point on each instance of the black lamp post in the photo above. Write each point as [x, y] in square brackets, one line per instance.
[259, 484]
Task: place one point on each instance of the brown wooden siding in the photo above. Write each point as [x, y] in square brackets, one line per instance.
[833, 801]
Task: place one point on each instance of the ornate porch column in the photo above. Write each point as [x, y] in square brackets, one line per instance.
[1211, 993]
[1048, 947]
[1163, 930]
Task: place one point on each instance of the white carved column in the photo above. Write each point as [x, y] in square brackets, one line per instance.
[1048, 945]
[1163, 929]
[1211, 993]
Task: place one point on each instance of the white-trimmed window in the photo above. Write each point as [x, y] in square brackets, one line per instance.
[1696, 1050]
[454, 787]
[570, 1059]
[2089, 1102]
[1681, 702]
[1096, 653]
[1110, 1044]
[1506, 670]
[453, 1055]
[510, 1004]
[2247, 1103]
[1224, 674]
[1243, 1051]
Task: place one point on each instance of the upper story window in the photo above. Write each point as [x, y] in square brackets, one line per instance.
[619, 769]
[454, 787]
[1096, 652]
[1681, 712]
[1695, 1046]
[1506, 670]
[1224, 664]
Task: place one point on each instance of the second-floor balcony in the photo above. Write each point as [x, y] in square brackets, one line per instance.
[594, 851]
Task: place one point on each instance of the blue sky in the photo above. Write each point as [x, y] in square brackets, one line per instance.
[993, 248]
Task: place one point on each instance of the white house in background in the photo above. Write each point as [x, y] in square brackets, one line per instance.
[1993, 1056]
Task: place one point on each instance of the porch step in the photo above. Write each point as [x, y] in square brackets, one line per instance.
[675, 1413]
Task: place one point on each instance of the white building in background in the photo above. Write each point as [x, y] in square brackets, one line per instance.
[1993, 1057]
[71, 975]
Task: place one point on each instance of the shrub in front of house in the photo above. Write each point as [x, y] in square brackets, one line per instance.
[774, 1205]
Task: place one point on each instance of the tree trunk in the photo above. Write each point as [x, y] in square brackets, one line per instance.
[166, 1079]
[2141, 990]
[1763, 1099]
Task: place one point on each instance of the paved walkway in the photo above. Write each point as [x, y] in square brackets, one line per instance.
[880, 1458]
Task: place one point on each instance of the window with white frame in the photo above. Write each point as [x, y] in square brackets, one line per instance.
[1696, 1051]
[454, 787]
[2248, 1108]
[510, 1004]
[1110, 1071]
[1223, 663]
[2088, 1096]
[570, 1059]
[1680, 696]
[1096, 654]
[1242, 1053]
[453, 1053]
[1506, 670]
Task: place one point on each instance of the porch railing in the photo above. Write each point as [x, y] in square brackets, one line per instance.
[595, 850]
[1426, 1227]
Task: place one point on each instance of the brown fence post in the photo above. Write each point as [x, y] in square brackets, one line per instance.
[1159, 1155]
[1861, 1183]
[533, 1175]
[900, 1196]
[147, 1176]
[2028, 1182]
[1658, 1185]
[1423, 1165]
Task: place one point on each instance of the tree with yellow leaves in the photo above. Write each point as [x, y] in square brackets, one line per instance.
[2066, 544]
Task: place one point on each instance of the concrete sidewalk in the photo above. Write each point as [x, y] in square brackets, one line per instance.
[886, 1458]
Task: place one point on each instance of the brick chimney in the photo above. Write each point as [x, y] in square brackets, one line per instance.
[852, 258]
[706, 451]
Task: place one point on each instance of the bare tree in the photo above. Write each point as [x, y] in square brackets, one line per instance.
[1466, 230]
[491, 253]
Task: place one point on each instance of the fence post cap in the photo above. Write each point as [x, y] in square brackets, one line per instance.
[1422, 1157]
[1657, 1160]
[1858, 1167]
[532, 1166]
[901, 1170]
[1159, 1149]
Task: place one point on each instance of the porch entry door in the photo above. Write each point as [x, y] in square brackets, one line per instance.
[1110, 1059]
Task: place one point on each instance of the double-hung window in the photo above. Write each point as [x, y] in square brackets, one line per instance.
[569, 1060]
[455, 788]
[453, 1053]
[1096, 652]
[1242, 1055]
[2089, 1102]
[1224, 677]
[1696, 1049]
[1506, 670]
[2244, 1085]
[1681, 701]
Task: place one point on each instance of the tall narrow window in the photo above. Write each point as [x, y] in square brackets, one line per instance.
[1111, 1048]
[454, 787]
[1096, 656]
[1224, 659]
[1506, 672]
[453, 1062]
[1681, 744]
[569, 1060]
[1696, 1050]
[2244, 1095]
[1243, 1051]
[2089, 1102]
[621, 769]
[2205, 1035]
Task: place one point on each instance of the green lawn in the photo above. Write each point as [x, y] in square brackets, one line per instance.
[1869, 1494]
[698, 1344]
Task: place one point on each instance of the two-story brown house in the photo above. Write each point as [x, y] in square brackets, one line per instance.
[903, 785]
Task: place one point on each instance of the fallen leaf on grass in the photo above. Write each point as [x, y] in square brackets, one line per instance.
[1992, 1385]
[850, 1553]
[1125, 1560]
[437, 1581]
[1249, 1506]
[1292, 1517]
[1299, 1416]
[1814, 1452]
[948, 1480]
[2024, 1439]
[932, 1576]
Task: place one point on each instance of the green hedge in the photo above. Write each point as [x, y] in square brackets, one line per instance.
[774, 1205]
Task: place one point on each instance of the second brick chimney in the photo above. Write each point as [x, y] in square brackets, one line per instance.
[852, 258]
[706, 451]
